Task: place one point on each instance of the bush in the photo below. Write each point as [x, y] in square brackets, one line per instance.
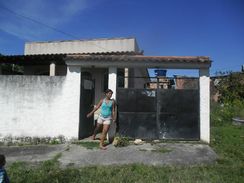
[222, 114]
[121, 141]
[231, 87]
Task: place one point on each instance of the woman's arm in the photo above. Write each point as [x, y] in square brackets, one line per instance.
[95, 109]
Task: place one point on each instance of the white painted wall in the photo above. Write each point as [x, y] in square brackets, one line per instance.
[40, 105]
[204, 87]
[112, 80]
[82, 46]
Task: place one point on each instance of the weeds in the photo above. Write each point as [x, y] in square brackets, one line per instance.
[21, 141]
[121, 141]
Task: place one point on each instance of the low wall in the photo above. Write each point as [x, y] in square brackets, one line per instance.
[39, 105]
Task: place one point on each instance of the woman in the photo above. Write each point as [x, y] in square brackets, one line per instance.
[107, 115]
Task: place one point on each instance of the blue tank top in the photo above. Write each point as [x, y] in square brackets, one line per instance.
[106, 108]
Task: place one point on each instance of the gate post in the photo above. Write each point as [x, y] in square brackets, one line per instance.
[204, 87]
[112, 84]
[112, 80]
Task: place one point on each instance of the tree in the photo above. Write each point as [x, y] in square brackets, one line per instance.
[231, 87]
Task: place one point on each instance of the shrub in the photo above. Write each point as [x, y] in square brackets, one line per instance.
[222, 114]
[121, 141]
[231, 87]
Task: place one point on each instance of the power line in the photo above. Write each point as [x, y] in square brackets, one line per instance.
[9, 33]
[48, 26]
[38, 22]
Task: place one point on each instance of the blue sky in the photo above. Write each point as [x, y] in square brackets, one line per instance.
[213, 28]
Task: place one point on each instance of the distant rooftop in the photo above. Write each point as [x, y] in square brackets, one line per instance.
[91, 46]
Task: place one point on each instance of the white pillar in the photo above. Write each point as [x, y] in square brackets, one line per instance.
[126, 79]
[112, 84]
[112, 80]
[204, 87]
[71, 96]
[52, 69]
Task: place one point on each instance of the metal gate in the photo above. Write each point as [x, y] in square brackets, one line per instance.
[159, 113]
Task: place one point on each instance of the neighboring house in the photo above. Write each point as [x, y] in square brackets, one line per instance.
[184, 82]
[63, 79]
[160, 82]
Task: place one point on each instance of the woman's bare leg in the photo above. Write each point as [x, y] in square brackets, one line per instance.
[96, 130]
[104, 132]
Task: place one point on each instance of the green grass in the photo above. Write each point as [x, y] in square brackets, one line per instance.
[50, 172]
[227, 141]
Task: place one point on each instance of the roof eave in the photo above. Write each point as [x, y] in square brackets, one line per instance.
[140, 61]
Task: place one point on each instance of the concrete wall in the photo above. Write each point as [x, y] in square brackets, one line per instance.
[79, 46]
[40, 105]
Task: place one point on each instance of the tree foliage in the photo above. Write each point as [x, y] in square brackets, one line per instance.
[231, 87]
[12, 69]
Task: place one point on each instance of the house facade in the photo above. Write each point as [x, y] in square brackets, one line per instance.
[63, 80]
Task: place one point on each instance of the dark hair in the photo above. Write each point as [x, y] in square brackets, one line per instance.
[2, 160]
[107, 91]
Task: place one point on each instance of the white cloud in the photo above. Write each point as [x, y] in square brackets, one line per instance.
[52, 13]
